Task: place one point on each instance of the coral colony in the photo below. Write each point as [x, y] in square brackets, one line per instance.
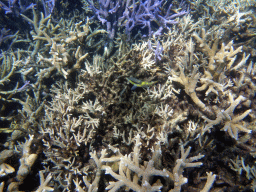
[127, 95]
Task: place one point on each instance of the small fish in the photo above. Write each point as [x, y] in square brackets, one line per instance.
[138, 83]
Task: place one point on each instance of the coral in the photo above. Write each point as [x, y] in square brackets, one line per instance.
[211, 86]
[182, 163]
[6, 169]
[189, 84]
[239, 167]
[26, 162]
[44, 182]
[217, 57]
[130, 164]
[111, 95]
[73, 133]
[48, 7]
[15, 7]
[142, 14]
[4, 36]
[131, 173]
[9, 63]
[232, 123]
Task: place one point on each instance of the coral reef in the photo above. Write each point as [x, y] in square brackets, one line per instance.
[134, 95]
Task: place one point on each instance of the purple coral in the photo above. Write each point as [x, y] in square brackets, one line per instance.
[23, 87]
[146, 13]
[48, 7]
[132, 13]
[8, 9]
[16, 7]
[158, 50]
[105, 12]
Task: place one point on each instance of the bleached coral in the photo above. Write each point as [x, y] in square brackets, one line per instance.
[96, 67]
[65, 130]
[93, 187]
[130, 164]
[164, 111]
[189, 83]
[162, 92]
[44, 182]
[210, 85]
[6, 169]
[232, 123]
[220, 58]
[135, 176]
[181, 164]
[64, 80]
[147, 55]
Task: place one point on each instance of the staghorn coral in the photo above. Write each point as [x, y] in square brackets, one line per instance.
[130, 164]
[132, 175]
[44, 182]
[217, 57]
[134, 14]
[211, 86]
[73, 133]
[64, 81]
[190, 83]
[231, 124]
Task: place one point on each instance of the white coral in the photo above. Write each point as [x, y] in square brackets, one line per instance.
[232, 123]
[131, 173]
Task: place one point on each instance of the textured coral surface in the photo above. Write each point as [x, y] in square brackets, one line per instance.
[127, 95]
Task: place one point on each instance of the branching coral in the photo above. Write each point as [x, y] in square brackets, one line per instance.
[130, 164]
[232, 123]
[26, 162]
[44, 182]
[65, 130]
[10, 61]
[210, 85]
[131, 173]
[220, 58]
[134, 14]
[189, 83]
[185, 162]
[61, 55]
[69, 80]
